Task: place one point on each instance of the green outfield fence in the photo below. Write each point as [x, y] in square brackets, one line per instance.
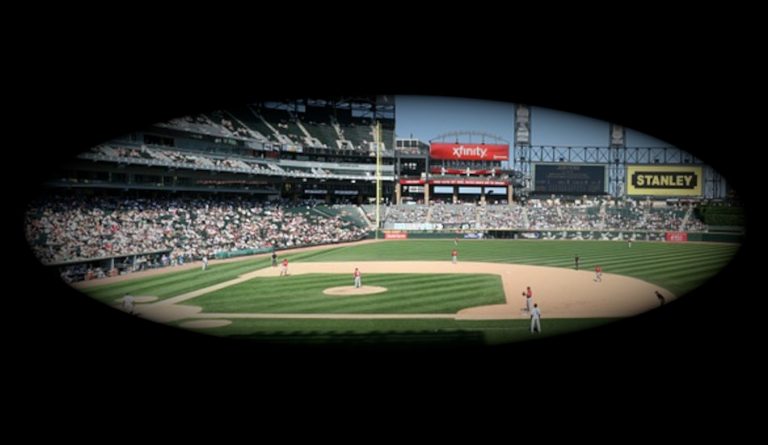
[608, 235]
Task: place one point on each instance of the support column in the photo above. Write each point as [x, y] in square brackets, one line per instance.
[509, 193]
[398, 193]
[426, 193]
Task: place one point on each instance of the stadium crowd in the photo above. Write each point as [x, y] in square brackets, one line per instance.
[538, 214]
[67, 228]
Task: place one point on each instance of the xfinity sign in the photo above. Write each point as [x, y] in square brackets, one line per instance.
[470, 152]
[462, 151]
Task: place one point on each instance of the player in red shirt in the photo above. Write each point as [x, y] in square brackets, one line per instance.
[528, 298]
[358, 278]
[454, 255]
[284, 268]
[598, 273]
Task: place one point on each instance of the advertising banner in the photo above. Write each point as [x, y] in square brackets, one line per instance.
[469, 152]
[664, 180]
[676, 236]
[465, 182]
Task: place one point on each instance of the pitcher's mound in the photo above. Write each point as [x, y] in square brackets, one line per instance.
[352, 290]
[205, 323]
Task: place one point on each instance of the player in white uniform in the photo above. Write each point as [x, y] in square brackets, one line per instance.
[535, 319]
[358, 278]
[128, 301]
[205, 262]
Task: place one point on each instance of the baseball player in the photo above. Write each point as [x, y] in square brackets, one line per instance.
[576, 260]
[358, 278]
[274, 259]
[661, 298]
[454, 256]
[536, 319]
[528, 298]
[598, 273]
[284, 268]
[128, 301]
[205, 262]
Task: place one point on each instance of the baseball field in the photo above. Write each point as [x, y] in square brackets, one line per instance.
[412, 293]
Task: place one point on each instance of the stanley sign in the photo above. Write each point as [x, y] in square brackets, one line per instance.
[664, 180]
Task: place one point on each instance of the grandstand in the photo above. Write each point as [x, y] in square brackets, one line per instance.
[313, 180]
[235, 181]
[247, 178]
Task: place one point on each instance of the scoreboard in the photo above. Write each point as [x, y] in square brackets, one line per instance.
[570, 179]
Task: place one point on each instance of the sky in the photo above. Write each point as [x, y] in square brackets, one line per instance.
[425, 117]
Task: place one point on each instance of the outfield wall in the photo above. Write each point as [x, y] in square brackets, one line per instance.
[606, 235]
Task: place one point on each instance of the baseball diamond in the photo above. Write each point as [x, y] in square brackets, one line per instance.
[425, 292]
[309, 220]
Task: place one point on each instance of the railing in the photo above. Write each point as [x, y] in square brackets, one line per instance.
[192, 166]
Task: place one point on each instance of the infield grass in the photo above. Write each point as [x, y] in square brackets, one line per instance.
[677, 267]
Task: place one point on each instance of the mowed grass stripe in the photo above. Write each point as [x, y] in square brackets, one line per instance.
[631, 258]
[431, 300]
[528, 252]
[176, 283]
[463, 288]
[172, 284]
[664, 268]
[670, 258]
[382, 331]
[656, 267]
[407, 294]
[651, 262]
[315, 300]
[645, 260]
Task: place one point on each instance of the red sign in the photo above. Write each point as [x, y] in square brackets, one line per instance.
[469, 152]
[460, 171]
[399, 235]
[465, 182]
[676, 236]
[411, 181]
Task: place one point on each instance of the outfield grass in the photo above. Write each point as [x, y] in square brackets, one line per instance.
[678, 267]
[406, 293]
[176, 283]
